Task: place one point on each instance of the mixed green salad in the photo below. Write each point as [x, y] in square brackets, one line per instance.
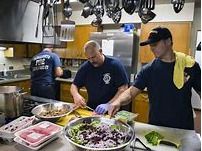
[98, 135]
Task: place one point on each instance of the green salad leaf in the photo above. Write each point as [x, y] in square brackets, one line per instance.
[154, 138]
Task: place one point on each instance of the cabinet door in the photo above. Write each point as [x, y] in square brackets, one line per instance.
[181, 38]
[16, 50]
[20, 50]
[24, 85]
[33, 49]
[82, 35]
[140, 105]
[60, 52]
[65, 94]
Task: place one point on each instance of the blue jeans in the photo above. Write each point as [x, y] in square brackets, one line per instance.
[45, 91]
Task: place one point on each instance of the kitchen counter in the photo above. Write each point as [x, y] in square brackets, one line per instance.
[69, 80]
[27, 77]
[188, 139]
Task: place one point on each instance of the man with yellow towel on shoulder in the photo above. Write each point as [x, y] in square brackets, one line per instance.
[169, 79]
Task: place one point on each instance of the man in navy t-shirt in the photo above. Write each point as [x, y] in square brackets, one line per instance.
[45, 67]
[170, 103]
[104, 78]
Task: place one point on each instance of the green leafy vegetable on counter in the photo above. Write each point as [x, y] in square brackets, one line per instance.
[153, 138]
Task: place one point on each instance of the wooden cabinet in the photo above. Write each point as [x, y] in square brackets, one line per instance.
[25, 85]
[22, 50]
[82, 35]
[16, 50]
[181, 38]
[61, 52]
[33, 49]
[65, 94]
[140, 105]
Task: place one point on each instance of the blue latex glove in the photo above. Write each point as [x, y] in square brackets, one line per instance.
[102, 108]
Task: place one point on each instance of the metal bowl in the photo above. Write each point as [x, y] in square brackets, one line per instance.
[126, 127]
[50, 107]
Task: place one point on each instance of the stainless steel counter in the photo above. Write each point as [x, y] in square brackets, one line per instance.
[188, 139]
[14, 79]
[69, 80]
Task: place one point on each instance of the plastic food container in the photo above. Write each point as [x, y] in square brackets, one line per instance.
[125, 116]
[39, 133]
[7, 131]
[19, 141]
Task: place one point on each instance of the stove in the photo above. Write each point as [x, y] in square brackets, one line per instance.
[30, 102]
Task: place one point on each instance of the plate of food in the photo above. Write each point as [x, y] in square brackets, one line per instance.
[52, 111]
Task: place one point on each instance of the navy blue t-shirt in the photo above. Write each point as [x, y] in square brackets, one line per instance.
[43, 68]
[101, 82]
[169, 106]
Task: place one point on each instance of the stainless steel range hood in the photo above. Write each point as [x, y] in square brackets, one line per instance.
[18, 21]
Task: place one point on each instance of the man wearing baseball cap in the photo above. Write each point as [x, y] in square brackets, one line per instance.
[169, 79]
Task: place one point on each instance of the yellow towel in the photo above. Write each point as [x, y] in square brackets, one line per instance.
[182, 61]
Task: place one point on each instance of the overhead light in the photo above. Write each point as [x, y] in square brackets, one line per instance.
[2, 48]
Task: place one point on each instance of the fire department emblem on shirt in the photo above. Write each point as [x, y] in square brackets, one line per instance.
[106, 78]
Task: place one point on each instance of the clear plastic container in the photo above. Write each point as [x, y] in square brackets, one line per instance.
[19, 141]
[39, 133]
[7, 131]
[125, 116]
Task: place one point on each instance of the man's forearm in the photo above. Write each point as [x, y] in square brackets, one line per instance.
[127, 95]
[121, 89]
[74, 90]
[124, 98]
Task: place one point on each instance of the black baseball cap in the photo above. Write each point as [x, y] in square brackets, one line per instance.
[157, 34]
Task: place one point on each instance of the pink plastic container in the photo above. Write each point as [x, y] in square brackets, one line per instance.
[39, 133]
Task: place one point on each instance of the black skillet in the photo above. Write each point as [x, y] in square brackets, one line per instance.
[87, 10]
[178, 5]
[116, 16]
[144, 13]
[98, 9]
[129, 6]
[110, 7]
[67, 9]
[83, 1]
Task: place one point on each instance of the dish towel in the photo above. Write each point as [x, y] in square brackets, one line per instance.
[182, 61]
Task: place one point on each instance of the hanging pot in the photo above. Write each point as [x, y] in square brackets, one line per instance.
[83, 1]
[67, 9]
[11, 101]
[146, 15]
[67, 12]
[116, 17]
[96, 22]
[110, 6]
[87, 10]
[129, 6]
[178, 5]
[138, 5]
[99, 9]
